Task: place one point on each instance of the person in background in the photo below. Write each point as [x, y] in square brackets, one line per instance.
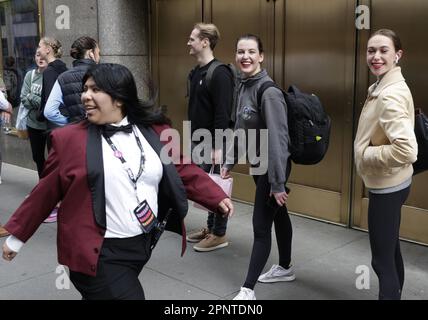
[114, 185]
[209, 108]
[5, 115]
[51, 51]
[271, 192]
[64, 104]
[12, 81]
[384, 148]
[31, 93]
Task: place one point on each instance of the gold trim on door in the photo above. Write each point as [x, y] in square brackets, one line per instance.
[319, 58]
[315, 45]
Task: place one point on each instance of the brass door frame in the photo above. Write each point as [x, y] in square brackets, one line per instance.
[154, 39]
[346, 200]
[347, 156]
[41, 19]
[267, 34]
[307, 198]
[361, 85]
[317, 202]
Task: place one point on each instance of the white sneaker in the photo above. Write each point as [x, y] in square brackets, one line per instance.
[278, 273]
[245, 294]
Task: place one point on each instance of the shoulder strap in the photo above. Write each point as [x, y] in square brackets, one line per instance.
[262, 89]
[189, 79]
[210, 72]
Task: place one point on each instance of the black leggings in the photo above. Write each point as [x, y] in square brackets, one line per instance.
[384, 218]
[38, 146]
[263, 217]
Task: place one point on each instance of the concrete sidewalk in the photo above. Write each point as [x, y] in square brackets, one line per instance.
[325, 257]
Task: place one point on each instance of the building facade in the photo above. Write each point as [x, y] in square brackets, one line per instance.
[317, 45]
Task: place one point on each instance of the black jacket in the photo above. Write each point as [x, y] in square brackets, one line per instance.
[71, 87]
[53, 70]
[209, 108]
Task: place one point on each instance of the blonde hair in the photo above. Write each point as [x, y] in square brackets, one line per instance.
[209, 31]
[54, 44]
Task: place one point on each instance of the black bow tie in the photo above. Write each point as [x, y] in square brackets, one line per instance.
[110, 130]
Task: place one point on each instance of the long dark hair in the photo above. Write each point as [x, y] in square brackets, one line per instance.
[118, 82]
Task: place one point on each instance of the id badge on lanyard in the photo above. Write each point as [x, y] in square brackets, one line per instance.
[143, 212]
[145, 216]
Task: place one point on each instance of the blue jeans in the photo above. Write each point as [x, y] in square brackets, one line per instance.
[216, 224]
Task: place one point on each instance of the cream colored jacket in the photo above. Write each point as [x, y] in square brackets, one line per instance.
[385, 145]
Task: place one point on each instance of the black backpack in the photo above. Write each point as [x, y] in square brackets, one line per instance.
[308, 124]
[421, 133]
[208, 76]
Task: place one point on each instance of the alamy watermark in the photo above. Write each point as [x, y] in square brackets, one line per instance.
[362, 21]
[62, 282]
[62, 21]
[239, 147]
[362, 282]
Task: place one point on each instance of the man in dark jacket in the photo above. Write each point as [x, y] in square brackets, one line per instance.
[209, 108]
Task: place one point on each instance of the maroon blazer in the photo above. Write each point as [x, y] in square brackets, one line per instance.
[74, 175]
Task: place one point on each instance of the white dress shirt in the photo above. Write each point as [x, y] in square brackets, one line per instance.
[119, 189]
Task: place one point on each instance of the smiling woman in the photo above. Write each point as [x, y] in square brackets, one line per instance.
[249, 55]
[383, 53]
[100, 107]
[385, 148]
[271, 192]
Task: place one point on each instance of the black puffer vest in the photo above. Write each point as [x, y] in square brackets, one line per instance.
[71, 87]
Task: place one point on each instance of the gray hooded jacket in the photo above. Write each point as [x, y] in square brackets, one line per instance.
[271, 115]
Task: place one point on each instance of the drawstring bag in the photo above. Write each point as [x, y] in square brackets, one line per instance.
[225, 184]
[21, 122]
[21, 118]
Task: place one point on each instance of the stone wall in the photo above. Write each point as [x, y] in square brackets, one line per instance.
[120, 27]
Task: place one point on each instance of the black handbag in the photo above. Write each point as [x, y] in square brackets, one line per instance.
[421, 132]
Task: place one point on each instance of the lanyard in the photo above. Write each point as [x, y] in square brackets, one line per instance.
[128, 170]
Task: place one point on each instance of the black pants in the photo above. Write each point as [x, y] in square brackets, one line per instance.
[120, 262]
[384, 217]
[38, 146]
[263, 218]
[216, 223]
